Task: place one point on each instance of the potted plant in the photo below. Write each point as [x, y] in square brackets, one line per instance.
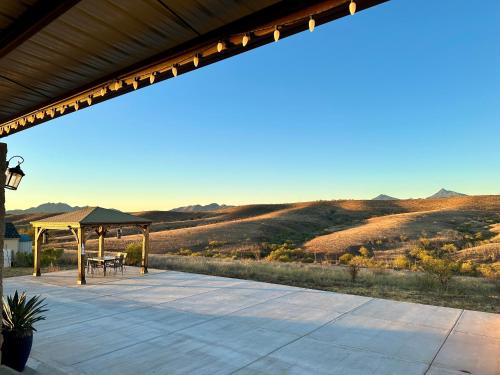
[19, 315]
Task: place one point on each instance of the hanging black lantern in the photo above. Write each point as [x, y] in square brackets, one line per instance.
[13, 176]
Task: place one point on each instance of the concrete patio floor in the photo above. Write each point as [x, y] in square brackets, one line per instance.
[180, 323]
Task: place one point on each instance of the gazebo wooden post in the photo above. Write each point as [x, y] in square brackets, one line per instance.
[37, 251]
[101, 232]
[145, 249]
[81, 256]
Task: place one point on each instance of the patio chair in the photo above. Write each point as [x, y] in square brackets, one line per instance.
[119, 262]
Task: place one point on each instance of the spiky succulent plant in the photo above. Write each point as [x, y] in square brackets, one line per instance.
[20, 314]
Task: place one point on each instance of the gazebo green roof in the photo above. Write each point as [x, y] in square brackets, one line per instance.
[93, 216]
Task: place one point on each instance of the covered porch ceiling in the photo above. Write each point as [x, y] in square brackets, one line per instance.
[57, 57]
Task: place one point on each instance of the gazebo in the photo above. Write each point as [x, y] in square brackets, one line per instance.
[81, 223]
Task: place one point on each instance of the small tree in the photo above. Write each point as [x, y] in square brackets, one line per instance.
[354, 266]
[442, 269]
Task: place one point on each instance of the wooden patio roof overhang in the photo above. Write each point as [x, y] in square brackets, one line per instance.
[57, 57]
[96, 219]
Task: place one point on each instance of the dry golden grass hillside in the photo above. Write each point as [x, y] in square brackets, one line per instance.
[327, 227]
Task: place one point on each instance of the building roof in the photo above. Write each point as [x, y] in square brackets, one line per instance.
[25, 238]
[93, 216]
[11, 231]
[59, 56]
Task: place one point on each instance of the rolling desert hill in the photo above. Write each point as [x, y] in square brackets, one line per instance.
[324, 227]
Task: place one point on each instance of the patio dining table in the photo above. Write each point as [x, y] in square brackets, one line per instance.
[106, 261]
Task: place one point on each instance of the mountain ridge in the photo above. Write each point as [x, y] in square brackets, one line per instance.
[201, 208]
[443, 193]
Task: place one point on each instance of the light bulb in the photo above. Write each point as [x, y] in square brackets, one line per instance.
[151, 78]
[103, 91]
[22, 121]
[220, 46]
[245, 40]
[276, 34]
[312, 23]
[352, 7]
[117, 85]
[51, 112]
[31, 119]
[196, 60]
[76, 105]
[174, 70]
[135, 84]
[89, 100]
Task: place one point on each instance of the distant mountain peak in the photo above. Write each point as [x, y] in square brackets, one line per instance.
[443, 193]
[384, 197]
[201, 208]
[48, 208]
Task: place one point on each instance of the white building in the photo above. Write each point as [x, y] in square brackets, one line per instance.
[14, 242]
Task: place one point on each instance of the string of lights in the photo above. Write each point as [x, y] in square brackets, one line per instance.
[149, 74]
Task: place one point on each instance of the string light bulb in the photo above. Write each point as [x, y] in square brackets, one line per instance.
[220, 46]
[245, 40]
[276, 34]
[76, 106]
[51, 112]
[312, 23]
[103, 91]
[135, 84]
[196, 60]
[22, 121]
[174, 70]
[352, 7]
[152, 78]
[89, 100]
[31, 119]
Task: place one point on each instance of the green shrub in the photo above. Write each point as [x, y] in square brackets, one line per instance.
[364, 252]
[184, 251]
[441, 269]
[50, 257]
[134, 254]
[400, 263]
[345, 258]
[286, 254]
[23, 259]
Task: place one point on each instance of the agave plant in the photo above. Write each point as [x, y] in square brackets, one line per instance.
[20, 314]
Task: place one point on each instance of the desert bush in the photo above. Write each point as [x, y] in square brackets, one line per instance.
[400, 262]
[364, 252]
[214, 244]
[449, 248]
[468, 268]
[424, 242]
[50, 257]
[184, 251]
[441, 269]
[345, 258]
[287, 254]
[23, 259]
[134, 254]
[490, 271]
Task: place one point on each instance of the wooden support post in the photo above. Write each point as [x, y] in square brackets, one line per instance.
[37, 251]
[3, 158]
[101, 231]
[145, 249]
[80, 233]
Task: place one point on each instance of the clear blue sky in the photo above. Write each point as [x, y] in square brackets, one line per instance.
[402, 99]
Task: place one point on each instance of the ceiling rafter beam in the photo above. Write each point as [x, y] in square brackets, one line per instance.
[32, 21]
